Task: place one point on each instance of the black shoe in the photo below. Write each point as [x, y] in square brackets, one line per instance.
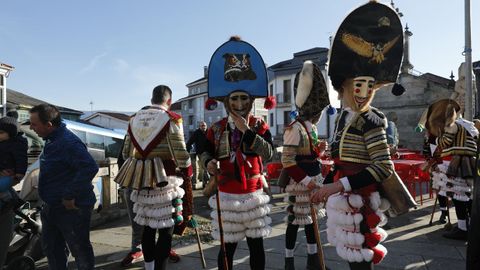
[313, 262]
[456, 234]
[289, 264]
[443, 217]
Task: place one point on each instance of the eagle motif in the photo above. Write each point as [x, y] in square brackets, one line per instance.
[376, 52]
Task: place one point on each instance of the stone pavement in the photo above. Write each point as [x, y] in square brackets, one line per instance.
[412, 244]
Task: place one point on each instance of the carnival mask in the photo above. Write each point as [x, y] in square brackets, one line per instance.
[239, 102]
[358, 93]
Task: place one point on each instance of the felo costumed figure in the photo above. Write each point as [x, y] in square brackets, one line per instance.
[366, 54]
[154, 148]
[452, 174]
[301, 151]
[236, 147]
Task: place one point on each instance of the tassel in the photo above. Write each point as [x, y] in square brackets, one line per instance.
[270, 102]
[398, 89]
[211, 104]
[331, 110]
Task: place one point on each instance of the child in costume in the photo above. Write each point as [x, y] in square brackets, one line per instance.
[301, 151]
[457, 147]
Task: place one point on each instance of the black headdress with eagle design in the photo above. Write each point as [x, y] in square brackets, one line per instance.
[369, 42]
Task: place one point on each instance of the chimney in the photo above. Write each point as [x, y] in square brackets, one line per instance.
[205, 71]
[406, 65]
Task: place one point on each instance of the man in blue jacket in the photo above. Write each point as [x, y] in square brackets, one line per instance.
[65, 185]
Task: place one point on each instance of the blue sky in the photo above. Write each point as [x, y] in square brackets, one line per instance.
[113, 52]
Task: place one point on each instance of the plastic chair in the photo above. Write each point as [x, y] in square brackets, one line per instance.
[421, 178]
[405, 173]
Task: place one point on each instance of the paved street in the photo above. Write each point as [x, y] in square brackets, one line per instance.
[411, 243]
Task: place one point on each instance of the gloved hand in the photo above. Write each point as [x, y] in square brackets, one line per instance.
[192, 222]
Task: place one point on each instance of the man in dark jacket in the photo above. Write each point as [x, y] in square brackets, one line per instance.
[198, 138]
[65, 185]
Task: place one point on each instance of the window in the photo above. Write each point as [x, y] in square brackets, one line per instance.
[190, 104]
[271, 119]
[95, 141]
[112, 146]
[287, 90]
[286, 118]
[271, 89]
[190, 120]
[82, 135]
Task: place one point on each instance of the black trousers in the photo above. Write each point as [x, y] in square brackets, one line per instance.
[291, 235]
[157, 249]
[473, 248]
[361, 266]
[257, 254]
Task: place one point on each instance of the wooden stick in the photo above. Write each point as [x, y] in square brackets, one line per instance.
[220, 229]
[313, 213]
[433, 210]
[202, 257]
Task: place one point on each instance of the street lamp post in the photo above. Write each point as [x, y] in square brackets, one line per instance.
[4, 72]
[468, 62]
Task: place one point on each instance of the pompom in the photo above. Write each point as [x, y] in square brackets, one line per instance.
[178, 219]
[293, 115]
[177, 202]
[331, 110]
[398, 89]
[372, 239]
[379, 253]
[270, 102]
[372, 220]
[211, 104]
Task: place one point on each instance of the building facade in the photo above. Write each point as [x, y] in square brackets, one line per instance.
[111, 120]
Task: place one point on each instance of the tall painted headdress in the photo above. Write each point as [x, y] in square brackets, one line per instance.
[237, 66]
[369, 42]
[310, 89]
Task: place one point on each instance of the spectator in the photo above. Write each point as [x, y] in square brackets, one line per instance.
[13, 164]
[392, 132]
[65, 185]
[198, 139]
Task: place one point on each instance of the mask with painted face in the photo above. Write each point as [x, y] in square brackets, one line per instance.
[363, 92]
[239, 102]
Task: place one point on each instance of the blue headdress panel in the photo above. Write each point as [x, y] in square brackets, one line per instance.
[237, 66]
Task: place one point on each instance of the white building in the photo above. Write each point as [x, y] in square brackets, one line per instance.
[111, 120]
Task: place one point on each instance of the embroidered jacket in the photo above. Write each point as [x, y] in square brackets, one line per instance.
[240, 162]
[299, 156]
[362, 141]
[461, 143]
[167, 152]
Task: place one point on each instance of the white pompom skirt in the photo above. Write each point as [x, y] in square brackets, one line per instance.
[243, 215]
[153, 207]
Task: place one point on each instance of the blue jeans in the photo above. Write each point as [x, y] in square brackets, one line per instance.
[63, 227]
[137, 230]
